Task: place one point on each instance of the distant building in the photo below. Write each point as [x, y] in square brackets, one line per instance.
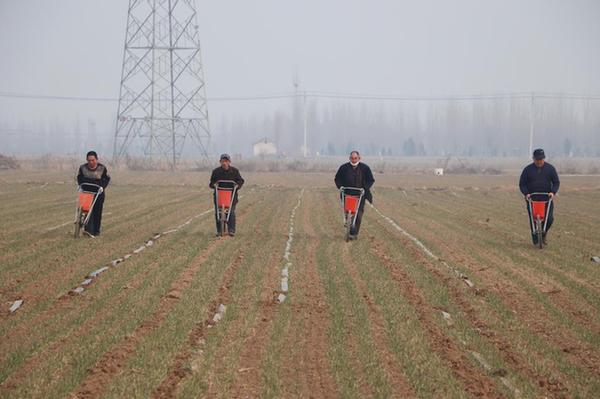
[264, 148]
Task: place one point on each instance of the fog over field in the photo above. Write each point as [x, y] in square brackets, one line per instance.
[390, 78]
[425, 270]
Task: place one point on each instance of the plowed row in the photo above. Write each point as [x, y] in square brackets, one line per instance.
[361, 319]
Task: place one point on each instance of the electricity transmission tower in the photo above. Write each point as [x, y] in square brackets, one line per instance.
[162, 99]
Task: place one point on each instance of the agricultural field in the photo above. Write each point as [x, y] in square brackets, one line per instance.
[443, 295]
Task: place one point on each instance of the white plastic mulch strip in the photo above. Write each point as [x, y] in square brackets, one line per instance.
[16, 305]
[447, 318]
[486, 366]
[59, 226]
[70, 221]
[140, 249]
[96, 273]
[287, 252]
[481, 360]
[38, 187]
[219, 315]
[116, 262]
[426, 250]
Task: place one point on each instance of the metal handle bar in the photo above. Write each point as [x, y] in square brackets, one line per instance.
[218, 182]
[80, 188]
[546, 194]
[352, 188]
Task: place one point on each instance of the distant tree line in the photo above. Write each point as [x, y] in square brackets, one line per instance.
[498, 127]
[489, 127]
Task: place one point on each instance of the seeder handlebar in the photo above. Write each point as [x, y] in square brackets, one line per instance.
[360, 190]
[225, 184]
[528, 197]
[81, 189]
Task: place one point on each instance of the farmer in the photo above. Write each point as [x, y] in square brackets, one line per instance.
[94, 172]
[226, 172]
[359, 175]
[539, 177]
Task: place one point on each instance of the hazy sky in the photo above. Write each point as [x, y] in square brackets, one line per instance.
[75, 47]
[254, 47]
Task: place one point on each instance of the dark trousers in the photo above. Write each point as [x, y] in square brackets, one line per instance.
[93, 225]
[230, 223]
[361, 208]
[548, 224]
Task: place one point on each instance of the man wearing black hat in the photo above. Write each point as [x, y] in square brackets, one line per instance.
[227, 172]
[540, 177]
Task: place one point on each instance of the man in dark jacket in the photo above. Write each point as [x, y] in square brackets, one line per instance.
[226, 172]
[359, 175]
[539, 177]
[94, 172]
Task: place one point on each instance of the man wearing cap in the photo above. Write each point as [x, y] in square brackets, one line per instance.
[359, 175]
[227, 172]
[539, 177]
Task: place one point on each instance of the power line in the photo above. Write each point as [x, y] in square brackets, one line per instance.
[495, 96]
[355, 96]
[54, 97]
[335, 95]
[252, 98]
[108, 99]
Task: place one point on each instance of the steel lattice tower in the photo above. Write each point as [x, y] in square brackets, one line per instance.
[162, 99]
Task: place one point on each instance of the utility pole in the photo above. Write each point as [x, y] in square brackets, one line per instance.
[305, 125]
[531, 122]
[162, 97]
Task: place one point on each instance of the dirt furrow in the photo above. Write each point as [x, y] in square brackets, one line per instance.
[474, 380]
[545, 268]
[344, 343]
[308, 370]
[48, 244]
[67, 258]
[510, 354]
[179, 369]
[112, 362]
[66, 319]
[521, 297]
[383, 356]
[22, 374]
[495, 226]
[533, 314]
[52, 308]
[248, 381]
[395, 375]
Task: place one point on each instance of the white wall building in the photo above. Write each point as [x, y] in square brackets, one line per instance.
[264, 147]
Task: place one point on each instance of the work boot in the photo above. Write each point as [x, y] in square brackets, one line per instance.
[232, 233]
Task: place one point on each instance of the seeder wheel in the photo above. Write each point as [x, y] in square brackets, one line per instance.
[539, 232]
[79, 218]
[348, 225]
[222, 220]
